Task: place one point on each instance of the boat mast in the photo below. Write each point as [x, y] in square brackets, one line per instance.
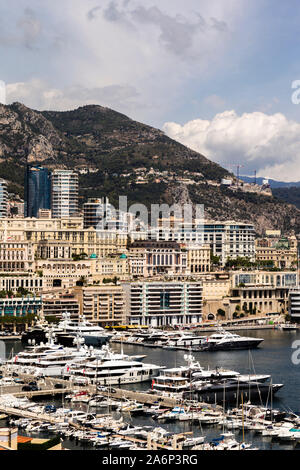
[243, 416]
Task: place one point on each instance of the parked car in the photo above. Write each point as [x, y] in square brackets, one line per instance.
[50, 409]
[29, 388]
[19, 381]
[101, 388]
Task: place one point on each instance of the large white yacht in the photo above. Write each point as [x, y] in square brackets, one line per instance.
[54, 360]
[113, 372]
[93, 334]
[184, 341]
[66, 330]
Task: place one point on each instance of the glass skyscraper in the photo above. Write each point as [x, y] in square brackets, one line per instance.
[37, 190]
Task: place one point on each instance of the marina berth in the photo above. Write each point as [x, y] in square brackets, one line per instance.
[222, 340]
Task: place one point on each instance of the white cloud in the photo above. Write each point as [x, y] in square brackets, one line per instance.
[268, 143]
[38, 94]
[149, 49]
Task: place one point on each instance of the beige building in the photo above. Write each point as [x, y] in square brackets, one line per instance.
[102, 304]
[247, 292]
[16, 256]
[198, 258]
[64, 273]
[58, 303]
[110, 267]
[62, 238]
[281, 252]
[149, 258]
[32, 282]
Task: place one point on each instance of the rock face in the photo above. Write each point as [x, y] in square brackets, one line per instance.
[110, 148]
[27, 134]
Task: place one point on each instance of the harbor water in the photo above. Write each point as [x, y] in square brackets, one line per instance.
[276, 356]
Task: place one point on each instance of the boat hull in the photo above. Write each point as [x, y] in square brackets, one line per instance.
[232, 345]
[233, 393]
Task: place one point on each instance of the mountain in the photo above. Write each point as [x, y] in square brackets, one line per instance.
[291, 195]
[116, 155]
[272, 183]
[285, 191]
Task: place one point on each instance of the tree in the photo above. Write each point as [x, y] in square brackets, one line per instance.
[81, 282]
[221, 312]
[215, 260]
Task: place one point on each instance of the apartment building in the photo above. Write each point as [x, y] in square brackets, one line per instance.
[32, 282]
[20, 306]
[3, 199]
[59, 303]
[64, 193]
[294, 304]
[226, 239]
[16, 256]
[37, 190]
[162, 303]
[149, 258]
[103, 304]
[198, 258]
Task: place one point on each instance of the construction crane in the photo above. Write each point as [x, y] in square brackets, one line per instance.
[238, 166]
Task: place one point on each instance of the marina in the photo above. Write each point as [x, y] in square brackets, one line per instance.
[144, 415]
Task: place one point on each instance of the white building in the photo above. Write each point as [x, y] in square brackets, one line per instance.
[64, 193]
[3, 199]
[163, 303]
[294, 304]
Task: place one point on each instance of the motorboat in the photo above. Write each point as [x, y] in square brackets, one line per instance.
[66, 330]
[230, 390]
[113, 371]
[225, 341]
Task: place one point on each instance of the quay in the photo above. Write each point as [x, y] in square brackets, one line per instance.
[47, 388]
[10, 338]
[29, 414]
[234, 328]
[154, 445]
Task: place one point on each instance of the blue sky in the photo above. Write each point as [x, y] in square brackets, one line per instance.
[214, 75]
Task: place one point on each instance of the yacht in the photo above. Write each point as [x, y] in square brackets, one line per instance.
[36, 334]
[231, 390]
[224, 340]
[93, 335]
[66, 330]
[55, 360]
[112, 372]
[288, 327]
[183, 379]
[182, 340]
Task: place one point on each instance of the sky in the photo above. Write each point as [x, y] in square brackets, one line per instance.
[220, 76]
